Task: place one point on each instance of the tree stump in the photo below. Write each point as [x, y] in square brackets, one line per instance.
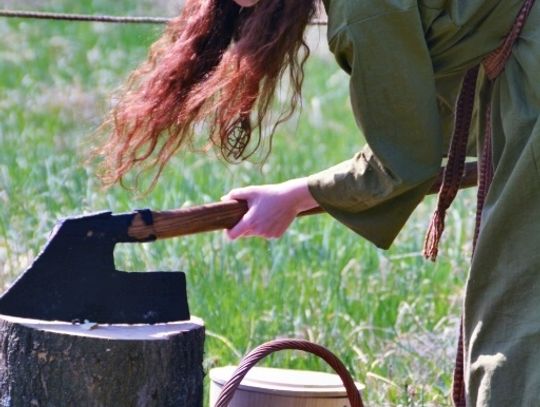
[58, 364]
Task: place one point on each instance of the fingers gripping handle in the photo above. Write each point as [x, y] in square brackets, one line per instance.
[227, 393]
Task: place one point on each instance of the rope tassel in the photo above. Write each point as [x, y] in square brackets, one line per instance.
[433, 236]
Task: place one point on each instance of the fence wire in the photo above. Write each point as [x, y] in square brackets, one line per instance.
[97, 18]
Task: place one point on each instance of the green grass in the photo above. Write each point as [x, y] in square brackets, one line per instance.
[391, 316]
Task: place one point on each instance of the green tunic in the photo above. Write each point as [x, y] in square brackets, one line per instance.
[406, 61]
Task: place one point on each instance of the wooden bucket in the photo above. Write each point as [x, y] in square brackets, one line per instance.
[266, 387]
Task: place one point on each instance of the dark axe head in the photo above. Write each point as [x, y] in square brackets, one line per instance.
[74, 278]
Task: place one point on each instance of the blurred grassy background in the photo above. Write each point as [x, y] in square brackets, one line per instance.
[391, 316]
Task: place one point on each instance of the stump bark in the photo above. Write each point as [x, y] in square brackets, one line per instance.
[58, 364]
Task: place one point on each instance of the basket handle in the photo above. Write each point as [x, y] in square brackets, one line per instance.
[267, 348]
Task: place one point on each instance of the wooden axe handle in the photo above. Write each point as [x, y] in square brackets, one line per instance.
[224, 215]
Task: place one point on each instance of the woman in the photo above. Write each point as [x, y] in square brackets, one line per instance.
[218, 65]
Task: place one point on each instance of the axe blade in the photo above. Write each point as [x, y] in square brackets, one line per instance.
[74, 279]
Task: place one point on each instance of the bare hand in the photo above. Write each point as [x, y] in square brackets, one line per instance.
[271, 208]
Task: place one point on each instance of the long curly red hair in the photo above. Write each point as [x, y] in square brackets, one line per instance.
[215, 71]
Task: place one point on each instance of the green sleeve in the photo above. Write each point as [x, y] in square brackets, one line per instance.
[393, 98]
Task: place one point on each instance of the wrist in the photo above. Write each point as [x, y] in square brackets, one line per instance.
[301, 197]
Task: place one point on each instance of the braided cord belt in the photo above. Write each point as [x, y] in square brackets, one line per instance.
[493, 65]
[266, 349]
[456, 162]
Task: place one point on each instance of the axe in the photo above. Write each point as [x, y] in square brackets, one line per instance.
[74, 277]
